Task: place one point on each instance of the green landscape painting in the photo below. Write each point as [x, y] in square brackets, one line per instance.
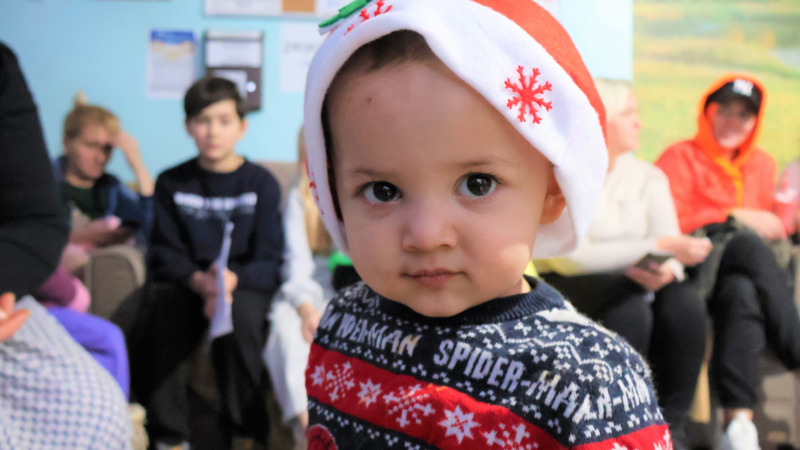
[680, 47]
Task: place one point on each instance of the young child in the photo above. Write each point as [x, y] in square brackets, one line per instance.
[445, 138]
[194, 202]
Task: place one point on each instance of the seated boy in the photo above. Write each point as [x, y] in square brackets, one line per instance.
[194, 201]
[445, 138]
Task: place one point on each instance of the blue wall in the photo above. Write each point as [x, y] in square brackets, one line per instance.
[99, 46]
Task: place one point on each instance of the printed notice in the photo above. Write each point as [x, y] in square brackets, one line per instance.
[298, 43]
[170, 65]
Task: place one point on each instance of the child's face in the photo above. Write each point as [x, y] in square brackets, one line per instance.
[441, 197]
[216, 130]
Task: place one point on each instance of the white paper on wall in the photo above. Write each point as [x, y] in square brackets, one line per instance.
[243, 7]
[298, 43]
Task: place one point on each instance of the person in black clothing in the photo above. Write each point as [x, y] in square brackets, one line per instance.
[193, 203]
[54, 395]
[33, 229]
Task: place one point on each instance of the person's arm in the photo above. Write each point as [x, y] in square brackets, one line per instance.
[130, 148]
[263, 271]
[170, 258]
[33, 228]
[299, 285]
[691, 216]
[787, 197]
[662, 218]
[134, 206]
[602, 257]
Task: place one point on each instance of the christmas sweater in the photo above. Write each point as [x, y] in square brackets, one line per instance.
[520, 372]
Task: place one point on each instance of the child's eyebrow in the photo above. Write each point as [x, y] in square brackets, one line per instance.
[484, 162]
[368, 172]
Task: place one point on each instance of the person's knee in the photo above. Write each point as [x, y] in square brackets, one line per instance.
[680, 303]
[745, 249]
[736, 292]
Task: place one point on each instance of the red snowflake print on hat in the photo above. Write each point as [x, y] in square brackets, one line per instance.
[319, 438]
[365, 15]
[528, 96]
[312, 183]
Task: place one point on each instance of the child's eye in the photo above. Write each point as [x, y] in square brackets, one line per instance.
[477, 185]
[381, 192]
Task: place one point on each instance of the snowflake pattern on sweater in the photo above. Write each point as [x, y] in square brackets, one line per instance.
[518, 373]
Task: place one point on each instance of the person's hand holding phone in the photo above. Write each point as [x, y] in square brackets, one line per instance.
[653, 279]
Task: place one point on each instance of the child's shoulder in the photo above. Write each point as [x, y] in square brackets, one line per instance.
[182, 172]
[554, 375]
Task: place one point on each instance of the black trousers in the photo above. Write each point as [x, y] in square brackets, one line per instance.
[669, 331]
[752, 307]
[169, 331]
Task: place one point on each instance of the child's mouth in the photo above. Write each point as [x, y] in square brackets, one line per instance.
[434, 279]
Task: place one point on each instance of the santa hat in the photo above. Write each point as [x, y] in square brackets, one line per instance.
[513, 53]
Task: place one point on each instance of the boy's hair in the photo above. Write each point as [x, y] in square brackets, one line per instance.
[393, 49]
[208, 91]
[83, 115]
[750, 97]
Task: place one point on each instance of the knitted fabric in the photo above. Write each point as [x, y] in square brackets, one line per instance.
[521, 372]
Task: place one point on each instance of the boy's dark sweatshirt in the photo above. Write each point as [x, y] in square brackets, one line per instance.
[192, 206]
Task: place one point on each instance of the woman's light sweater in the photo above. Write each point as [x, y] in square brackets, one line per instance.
[635, 210]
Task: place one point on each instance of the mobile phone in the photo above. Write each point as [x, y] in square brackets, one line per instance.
[657, 258]
[133, 225]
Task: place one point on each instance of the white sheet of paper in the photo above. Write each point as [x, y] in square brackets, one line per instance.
[243, 7]
[170, 65]
[222, 322]
[298, 43]
[233, 53]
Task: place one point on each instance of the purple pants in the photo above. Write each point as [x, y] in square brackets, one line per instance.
[101, 338]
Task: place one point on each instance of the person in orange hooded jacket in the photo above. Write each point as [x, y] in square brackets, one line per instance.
[718, 176]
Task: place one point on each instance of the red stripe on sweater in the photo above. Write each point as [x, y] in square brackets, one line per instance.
[438, 415]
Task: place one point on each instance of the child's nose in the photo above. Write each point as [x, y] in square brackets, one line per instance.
[429, 227]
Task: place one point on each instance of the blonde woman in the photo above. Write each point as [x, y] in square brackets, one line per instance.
[110, 213]
[298, 307]
[661, 317]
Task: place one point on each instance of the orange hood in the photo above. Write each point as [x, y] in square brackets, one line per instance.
[705, 138]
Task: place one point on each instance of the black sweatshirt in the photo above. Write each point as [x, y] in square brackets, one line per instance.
[33, 228]
[192, 206]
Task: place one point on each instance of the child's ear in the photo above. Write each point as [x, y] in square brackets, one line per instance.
[245, 125]
[188, 125]
[554, 201]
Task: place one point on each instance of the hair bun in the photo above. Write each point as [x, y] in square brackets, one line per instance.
[80, 99]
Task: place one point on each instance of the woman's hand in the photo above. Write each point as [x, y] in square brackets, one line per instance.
[689, 251]
[311, 317]
[10, 321]
[652, 281]
[766, 224]
[130, 148]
